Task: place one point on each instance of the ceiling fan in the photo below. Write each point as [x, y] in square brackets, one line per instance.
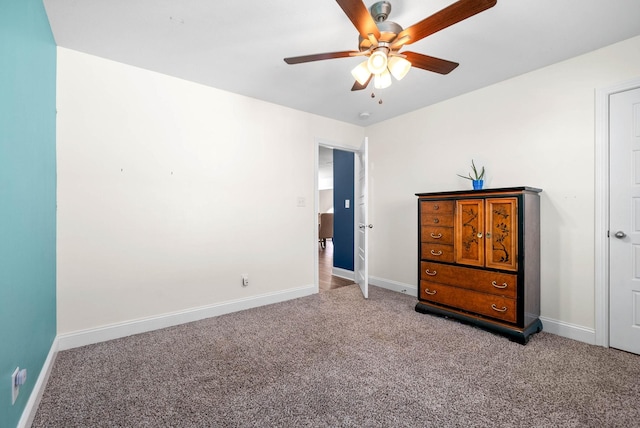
[380, 41]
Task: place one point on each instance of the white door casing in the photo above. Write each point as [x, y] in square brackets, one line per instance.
[362, 226]
[624, 220]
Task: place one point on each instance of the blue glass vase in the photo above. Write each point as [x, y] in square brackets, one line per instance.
[477, 184]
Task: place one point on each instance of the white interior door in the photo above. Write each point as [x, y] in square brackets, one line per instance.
[361, 257]
[624, 231]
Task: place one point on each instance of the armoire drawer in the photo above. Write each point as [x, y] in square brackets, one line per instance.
[445, 220]
[439, 252]
[437, 207]
[498, 307]
[436, 234]
[498, 283]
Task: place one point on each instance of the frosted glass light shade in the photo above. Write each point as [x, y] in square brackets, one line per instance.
[377, 62]
[399, 67]
[361, 73]
[382, 80]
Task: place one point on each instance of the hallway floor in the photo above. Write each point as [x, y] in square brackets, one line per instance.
[325, 265]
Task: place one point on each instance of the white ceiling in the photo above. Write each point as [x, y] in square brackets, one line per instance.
[239, 46]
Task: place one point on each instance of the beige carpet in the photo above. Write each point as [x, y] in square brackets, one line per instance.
[336, 360]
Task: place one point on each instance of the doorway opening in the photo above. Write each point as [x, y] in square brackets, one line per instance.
[334, 256]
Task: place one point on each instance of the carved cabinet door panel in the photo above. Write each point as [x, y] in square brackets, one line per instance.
[501, 233]
[469, 232]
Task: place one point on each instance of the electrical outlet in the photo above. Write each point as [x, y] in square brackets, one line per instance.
[15, 387]
[245, 279]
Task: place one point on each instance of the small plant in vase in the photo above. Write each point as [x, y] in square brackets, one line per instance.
[475, 177]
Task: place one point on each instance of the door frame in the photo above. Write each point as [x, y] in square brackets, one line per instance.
[316, 206]
[601, 265]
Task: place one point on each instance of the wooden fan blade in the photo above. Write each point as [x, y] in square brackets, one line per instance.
[399, 42]
[430, 63]
[319, 57]
[450, 15]
[358, 87]
[359, 15]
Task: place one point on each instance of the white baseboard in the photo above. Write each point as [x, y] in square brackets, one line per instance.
[29, 412]
[378, 282]
[394, 285]
[343, 273]
[570, 331]
[560, 328]
[128, 328]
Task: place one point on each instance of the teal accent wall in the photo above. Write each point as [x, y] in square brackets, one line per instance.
[27, 197]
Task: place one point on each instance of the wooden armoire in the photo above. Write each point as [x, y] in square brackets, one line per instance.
[479, 258]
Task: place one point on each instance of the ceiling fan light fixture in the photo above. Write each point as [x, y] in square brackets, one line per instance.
[399, 67]
[382, 80]
[382, 40]
[377, 62]
[361, 73]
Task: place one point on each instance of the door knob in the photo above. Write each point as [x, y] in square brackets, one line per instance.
[620, 234]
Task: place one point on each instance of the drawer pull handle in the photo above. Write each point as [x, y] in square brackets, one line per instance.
[428, 272]
[495, 308]
[479, 234]
[436, 220]
[436, 207]
[436, 253]
[431, 292]
[504, 284]
[434, 236]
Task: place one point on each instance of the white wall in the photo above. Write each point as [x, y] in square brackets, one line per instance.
[168, 191]
[164, 186]
[325, 203]
[535, 130]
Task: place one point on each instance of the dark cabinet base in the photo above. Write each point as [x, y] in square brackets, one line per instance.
[520, 336]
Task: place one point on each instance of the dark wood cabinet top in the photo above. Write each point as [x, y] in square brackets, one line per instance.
[482, 192]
